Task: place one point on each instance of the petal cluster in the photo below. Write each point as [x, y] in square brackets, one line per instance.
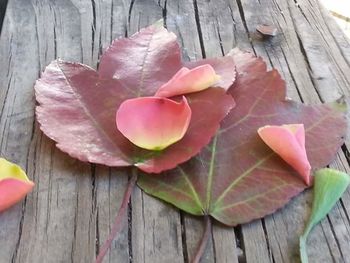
[14, 184]
[154, 123]
[288, 141]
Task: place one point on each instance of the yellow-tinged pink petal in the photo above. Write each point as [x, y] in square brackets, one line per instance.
[288, 141]
[188, 81]
[153, 123]
[14, 184]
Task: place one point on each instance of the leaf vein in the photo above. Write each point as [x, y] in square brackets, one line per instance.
[238, 179]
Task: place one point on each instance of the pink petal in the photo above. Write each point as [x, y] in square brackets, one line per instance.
[223, 66]
[14, 184]
[188, 81]
[288, 141]
[12, 191]
[153, 123]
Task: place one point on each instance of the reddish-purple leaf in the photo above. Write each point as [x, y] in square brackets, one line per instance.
[238, 178]
[77, 105]
[204, 123]
[143, 62]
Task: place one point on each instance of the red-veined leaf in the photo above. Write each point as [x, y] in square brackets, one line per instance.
[144, 61]
[238, 178]
[77, 105]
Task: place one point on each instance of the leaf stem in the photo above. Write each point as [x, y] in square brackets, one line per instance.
[119, 217]
[204, 241]
[303, 252]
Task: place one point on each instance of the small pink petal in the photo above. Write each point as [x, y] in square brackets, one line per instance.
[288, 141]
[153, 123]
[188, 81]
[12, 191]
[14, 184]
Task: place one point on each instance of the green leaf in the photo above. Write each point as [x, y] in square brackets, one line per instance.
[329, 187]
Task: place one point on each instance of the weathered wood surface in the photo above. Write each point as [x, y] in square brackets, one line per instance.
[70, 212]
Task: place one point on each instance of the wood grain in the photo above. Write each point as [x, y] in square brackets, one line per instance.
[70, 212]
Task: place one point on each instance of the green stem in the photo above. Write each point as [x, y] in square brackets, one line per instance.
[303, 251]
[303, 243]
[119, 217]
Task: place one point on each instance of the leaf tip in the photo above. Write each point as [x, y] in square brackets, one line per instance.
[159, 23]
[340, 104]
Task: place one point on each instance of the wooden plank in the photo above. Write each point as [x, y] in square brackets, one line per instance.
[62, 218]
[322, 239]
[156, 227]
[12, 148]
[59, 33]
[225, 245]
[284, 53]
[181, 19]
[214, 18]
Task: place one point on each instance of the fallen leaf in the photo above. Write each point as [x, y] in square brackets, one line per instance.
[238, 178]
[14, 184]
[144, 61]
[77, 105]
[329, 186]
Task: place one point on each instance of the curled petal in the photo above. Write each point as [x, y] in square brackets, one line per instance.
[14, 184]
[153, 123]
[188, 81]
[224, 66]
[288, 141]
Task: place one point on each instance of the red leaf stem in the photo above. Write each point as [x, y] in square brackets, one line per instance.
[119, 217]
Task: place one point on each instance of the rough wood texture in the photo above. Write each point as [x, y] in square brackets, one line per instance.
[69, 214]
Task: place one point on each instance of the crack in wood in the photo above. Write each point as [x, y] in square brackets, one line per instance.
[3, 5]
[240, 244]
[241, 12]
[272, 257]
[335, 237]
[199, 29]
[130, 10]
[183, 237]
[130, 231]
[93, 26]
